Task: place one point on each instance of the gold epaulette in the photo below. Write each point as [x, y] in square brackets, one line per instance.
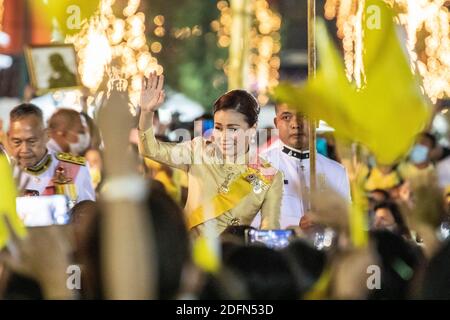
[265, 164]
[67, 157]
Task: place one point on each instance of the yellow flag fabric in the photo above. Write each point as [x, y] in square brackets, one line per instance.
[8, 202]
[320, 289]
[387, 113]
[358, 223]
[376, 179]
[67, 14]
[205, 255]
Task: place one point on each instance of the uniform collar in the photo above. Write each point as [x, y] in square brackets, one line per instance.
[301, 155]
[41, 166]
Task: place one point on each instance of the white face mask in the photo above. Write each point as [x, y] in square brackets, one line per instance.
[84, 140]
[391, 228]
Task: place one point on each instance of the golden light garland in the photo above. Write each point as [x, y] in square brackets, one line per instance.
[349, 29]
[427, 27]
[106, 38]
[2, 10]
[264, 61]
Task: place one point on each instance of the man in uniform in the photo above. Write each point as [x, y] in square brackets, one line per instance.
[290, 154]
[40, 171]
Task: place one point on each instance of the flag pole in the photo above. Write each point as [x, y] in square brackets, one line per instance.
[240, 44]
[312, 59]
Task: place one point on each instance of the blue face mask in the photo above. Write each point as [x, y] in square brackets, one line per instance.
[322, 146]
[419, 154]
[372, 162]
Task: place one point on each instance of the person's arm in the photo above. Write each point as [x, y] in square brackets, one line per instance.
[177, 155]
[271, 207]
[128, 258]
[43, 255]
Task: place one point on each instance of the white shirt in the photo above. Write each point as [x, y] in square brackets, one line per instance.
[42, 181]
[443, 172]
[329, 172]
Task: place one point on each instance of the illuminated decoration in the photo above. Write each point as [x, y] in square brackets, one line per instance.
[5, 61]
[427, 27]
[348, 14]
[2, 10]
[106, 39]
[239, 44]
[159, 23]
[186, 32]
[264, 44]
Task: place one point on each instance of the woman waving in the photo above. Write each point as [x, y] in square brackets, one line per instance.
[228, 182]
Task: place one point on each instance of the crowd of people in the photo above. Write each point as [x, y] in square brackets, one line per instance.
[155, 219]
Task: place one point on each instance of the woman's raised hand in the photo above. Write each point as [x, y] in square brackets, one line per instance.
[152, 93]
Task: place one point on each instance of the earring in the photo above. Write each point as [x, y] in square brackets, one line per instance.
[253, 139]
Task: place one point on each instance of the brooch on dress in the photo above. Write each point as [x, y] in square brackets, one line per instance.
[256, 182]
[224, 188]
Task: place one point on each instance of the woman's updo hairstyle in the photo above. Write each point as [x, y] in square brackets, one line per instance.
[240, 101]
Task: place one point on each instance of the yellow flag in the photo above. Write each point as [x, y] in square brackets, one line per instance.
[358, 218]
[204, 254]
[387, 113]
[67, 15]
[8, 202]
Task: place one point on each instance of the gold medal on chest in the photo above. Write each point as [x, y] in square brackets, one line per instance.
[258, 185]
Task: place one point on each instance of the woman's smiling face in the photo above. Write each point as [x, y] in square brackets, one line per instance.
[231, 132]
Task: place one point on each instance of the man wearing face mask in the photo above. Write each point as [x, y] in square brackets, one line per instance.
[40, 171]
[68, 132]
[419, 161]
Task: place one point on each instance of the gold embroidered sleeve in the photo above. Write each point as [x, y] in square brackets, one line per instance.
[271, 207]
[177, 155]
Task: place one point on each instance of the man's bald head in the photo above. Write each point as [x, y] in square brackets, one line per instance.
[65, 127]
[64, 119]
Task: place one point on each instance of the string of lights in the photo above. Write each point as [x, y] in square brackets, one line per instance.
[2, 10]
[106, 38]
[427, 27]
[265, 45]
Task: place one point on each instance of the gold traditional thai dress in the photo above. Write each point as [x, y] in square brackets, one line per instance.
[220, 194]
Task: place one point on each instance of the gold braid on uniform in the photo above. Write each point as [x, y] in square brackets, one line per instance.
[70, 158]
[40, 167]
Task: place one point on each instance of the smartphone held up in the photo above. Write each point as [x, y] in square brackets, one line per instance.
[43, 211]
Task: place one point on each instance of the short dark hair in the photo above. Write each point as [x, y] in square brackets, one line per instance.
[395, 256]
[25, 110]
[397, 215]
[431, 138]
[240, 101]
[277, 106]
[265, 273]
[385, 193]
[296, 109]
